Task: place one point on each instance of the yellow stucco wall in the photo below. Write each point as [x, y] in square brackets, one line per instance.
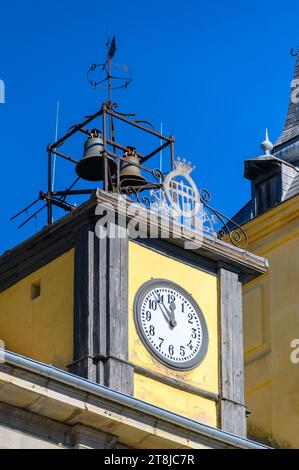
[145, 264]
[172, 399]
[271, 322]
[41, 328]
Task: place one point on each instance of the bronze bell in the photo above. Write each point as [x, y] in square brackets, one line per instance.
[92, 165]
[130, 174]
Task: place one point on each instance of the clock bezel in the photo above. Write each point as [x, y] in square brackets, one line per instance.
[201, 354]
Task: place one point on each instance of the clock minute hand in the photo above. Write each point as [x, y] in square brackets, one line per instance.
[165, 315]
[170, 313]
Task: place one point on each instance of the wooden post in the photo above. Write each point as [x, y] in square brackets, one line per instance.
[101, 311]
[232, 407]
[84, 311]
[118, 372]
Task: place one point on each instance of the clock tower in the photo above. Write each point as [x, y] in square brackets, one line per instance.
[158, 321]
[144, 315]
[138, 289]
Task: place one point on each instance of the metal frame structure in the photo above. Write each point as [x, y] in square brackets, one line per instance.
[110, 148]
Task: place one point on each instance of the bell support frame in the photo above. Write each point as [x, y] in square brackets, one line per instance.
[110, 148]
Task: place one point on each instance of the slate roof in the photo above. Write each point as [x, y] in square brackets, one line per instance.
[291, 130]
[294, 188]
[245, 214]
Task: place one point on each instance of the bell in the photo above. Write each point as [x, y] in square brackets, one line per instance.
[130, 174]
[92, 165]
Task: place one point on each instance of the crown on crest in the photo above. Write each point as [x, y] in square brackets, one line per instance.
[183, 166]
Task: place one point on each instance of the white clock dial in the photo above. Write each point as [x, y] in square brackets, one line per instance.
[171, 324]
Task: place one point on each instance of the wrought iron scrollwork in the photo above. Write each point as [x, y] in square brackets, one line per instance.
[204, 195]
[230, 230]
[157, 174]
[133, 193]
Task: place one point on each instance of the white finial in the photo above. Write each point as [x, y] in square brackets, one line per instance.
[267, 146]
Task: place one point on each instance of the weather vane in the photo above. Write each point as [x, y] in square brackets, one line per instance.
[111, 76]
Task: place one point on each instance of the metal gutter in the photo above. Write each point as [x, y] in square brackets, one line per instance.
[128, 401]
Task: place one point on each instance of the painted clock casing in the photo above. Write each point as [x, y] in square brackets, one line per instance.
[176, 336]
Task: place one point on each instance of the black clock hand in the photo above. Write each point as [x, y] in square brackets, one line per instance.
[159, 303]
[172, 308]
[170, 313]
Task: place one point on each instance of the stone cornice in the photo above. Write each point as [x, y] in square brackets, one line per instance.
[59, 237]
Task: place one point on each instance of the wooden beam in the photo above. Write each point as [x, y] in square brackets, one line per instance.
[232, 408]
[101, 311]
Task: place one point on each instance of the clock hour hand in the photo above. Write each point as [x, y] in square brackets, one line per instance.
[170, 314]
[157, 299]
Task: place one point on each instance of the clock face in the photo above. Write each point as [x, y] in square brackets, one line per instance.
[171, 324]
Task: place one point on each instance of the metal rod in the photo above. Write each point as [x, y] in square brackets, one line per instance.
[122, 147]
[33, 215]
[146, 129]
[144, 186]
[161, 151]
[118, 173]
[154, 152]
[73, 184]
[49, 203]
[111, 131]
[104, 127]
[106, 171]
[56, 137]
[62, 155]
[76, 129]
[104, 149]
[111, 127]
[85, 131]
[138, 165]
[109, 77]
[107, 141]
[172, 153]
[73, 193]
[63, 205]
[67, 190]
[26, 209]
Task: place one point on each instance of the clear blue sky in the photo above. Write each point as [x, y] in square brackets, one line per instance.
[217, 72]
